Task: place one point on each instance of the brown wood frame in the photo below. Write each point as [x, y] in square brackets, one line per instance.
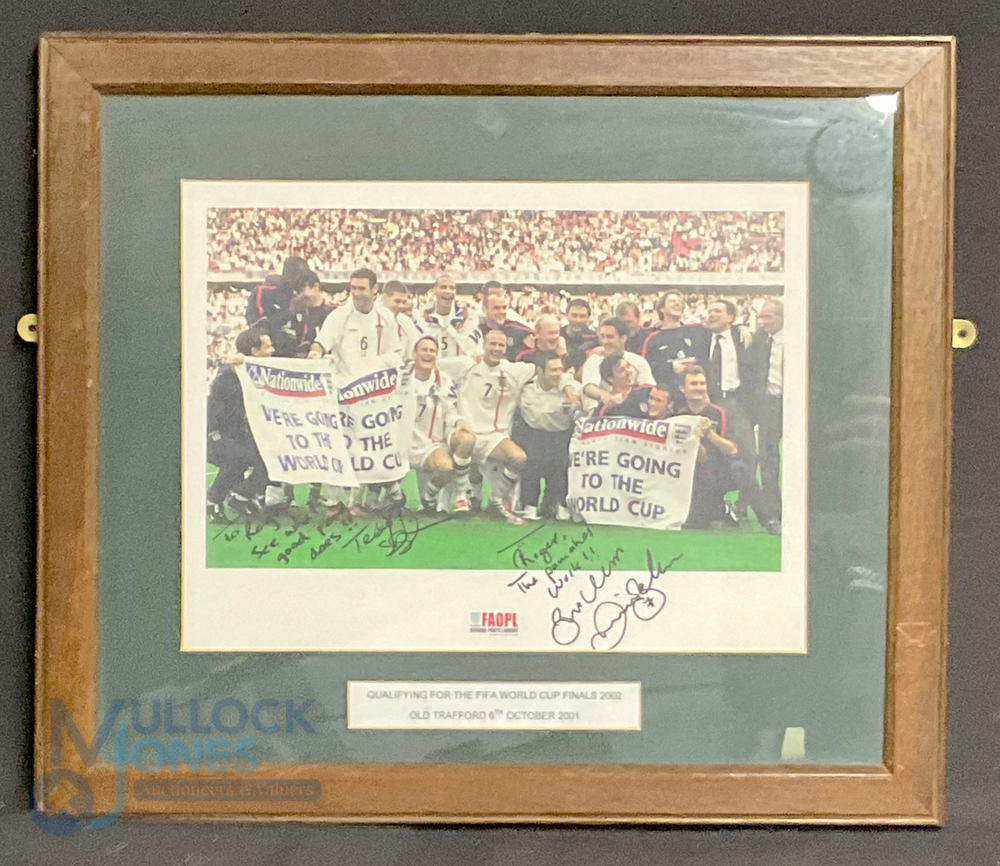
[77, 70]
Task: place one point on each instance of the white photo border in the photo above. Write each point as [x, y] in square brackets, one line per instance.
[396, 610]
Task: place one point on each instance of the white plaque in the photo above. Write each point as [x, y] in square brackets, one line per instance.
[498, 706]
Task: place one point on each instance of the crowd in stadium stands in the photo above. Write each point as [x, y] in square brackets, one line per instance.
[513, 367]
[406, 241]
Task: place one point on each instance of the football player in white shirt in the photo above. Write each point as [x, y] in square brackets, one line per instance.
[487, 397]
[438, 430]
[451, 323]
[358, 333]
[397, 300]
[611, 336]
[360, 336]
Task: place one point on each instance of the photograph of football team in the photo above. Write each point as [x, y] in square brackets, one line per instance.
[506, 329]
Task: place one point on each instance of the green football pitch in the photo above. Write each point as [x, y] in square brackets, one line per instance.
[301, 540]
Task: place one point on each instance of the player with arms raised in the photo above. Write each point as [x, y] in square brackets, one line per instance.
[450, 323]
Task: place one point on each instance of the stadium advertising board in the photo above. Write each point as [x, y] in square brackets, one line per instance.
[580, 408]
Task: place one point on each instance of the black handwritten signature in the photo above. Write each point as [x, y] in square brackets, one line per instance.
[609, 618]
[231, 529]
[543, 554]
[396, 536]
[327, 542]
[565, 630]
[292, 546]
[554, 554]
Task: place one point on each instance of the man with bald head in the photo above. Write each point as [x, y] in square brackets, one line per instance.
[547, 339]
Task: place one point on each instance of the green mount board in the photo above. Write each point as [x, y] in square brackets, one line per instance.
[705, 708]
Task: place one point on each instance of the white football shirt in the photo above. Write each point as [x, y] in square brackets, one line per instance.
[356, 340]
[488, 395]
[435, 399]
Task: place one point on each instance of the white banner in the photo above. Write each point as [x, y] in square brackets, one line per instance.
[632, 472]
[377, 415]
[292, 410]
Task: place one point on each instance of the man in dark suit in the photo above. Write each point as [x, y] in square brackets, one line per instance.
[728, 382]
[766, 368]
[231, 446]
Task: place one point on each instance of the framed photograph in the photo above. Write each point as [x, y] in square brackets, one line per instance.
[624, 482]
[493, 429]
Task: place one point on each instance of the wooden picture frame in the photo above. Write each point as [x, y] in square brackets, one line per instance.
[79, 70]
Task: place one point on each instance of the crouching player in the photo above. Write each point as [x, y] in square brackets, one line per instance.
[487, 397]
[438, 430]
